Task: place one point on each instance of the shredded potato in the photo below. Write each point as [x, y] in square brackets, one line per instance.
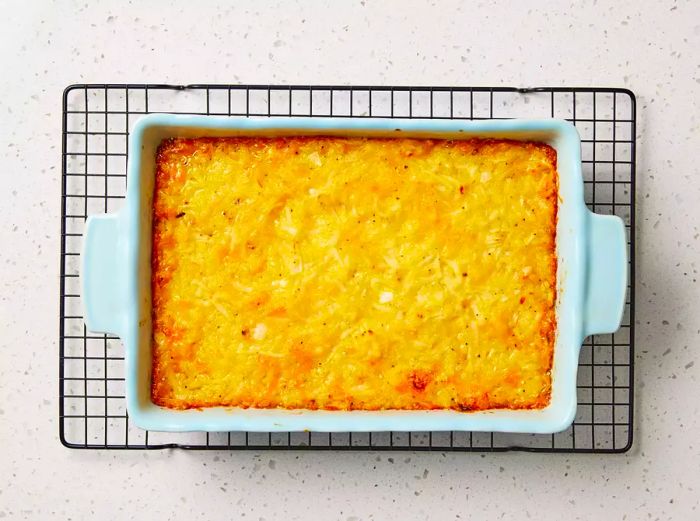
[350, 273]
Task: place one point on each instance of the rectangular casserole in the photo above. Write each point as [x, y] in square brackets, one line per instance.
[344, 273]
[591, 277]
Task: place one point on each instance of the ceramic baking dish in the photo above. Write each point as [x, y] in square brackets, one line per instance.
[116, 277]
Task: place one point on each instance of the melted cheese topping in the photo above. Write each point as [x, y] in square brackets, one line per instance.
[347, 273]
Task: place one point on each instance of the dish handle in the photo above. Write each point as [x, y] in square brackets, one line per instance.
[103, 278]
[606, 274]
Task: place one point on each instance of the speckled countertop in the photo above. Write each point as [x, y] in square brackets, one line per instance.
[651, 47]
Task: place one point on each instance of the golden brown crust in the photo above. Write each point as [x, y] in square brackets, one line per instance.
[341, 274]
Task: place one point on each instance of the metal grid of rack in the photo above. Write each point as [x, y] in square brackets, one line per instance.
[96, 124]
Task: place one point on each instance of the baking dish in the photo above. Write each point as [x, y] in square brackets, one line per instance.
[591, 277]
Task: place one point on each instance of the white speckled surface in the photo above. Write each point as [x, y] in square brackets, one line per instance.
[650, 47]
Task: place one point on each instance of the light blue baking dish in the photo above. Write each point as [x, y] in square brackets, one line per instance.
[116, 272]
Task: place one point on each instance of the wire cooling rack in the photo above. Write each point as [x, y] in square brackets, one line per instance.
[96, 124]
